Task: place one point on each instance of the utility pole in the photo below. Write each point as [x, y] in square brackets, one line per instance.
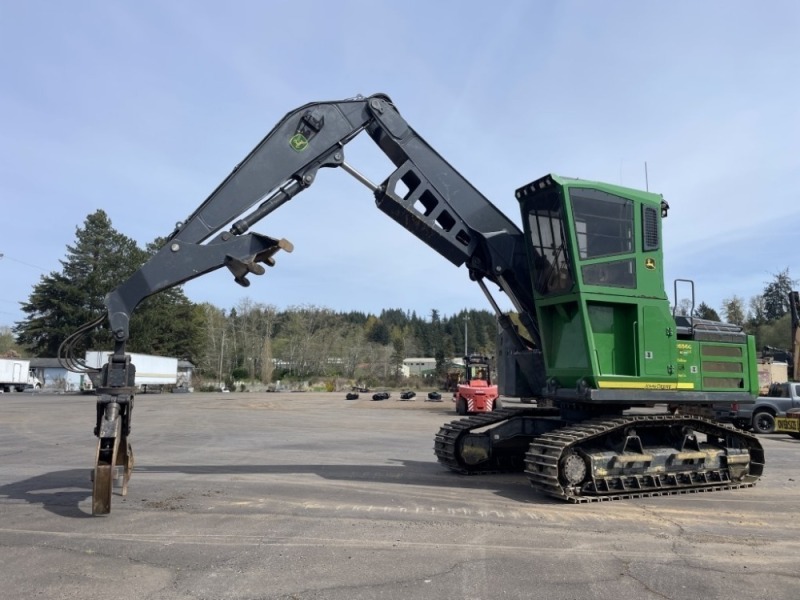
[466, 353]
[221, 355]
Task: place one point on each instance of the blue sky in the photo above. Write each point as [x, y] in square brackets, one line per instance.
[142, 108]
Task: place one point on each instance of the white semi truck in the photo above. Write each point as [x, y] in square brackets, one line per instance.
[16, 375]
[152, 372]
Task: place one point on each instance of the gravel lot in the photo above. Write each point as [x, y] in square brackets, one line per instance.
[309, 495]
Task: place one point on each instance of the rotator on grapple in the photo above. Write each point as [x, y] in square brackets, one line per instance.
[595, 337]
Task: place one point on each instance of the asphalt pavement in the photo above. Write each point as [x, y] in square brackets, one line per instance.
[311, 496]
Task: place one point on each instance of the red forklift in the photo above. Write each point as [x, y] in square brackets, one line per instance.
[475, 393]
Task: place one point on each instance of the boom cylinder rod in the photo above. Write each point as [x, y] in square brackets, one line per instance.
[282, 195]
[489, 297]
[362, 178]
[505, 320]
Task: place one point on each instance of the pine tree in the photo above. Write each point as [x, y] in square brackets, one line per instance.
[378, 333]
[776, 295]
[704, 311]
[167, 323]
[100, 259]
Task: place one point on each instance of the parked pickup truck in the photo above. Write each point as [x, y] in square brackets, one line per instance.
[761, 415]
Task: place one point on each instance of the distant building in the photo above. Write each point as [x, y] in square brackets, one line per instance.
[185, 370]
[413, 367]
[56, 378]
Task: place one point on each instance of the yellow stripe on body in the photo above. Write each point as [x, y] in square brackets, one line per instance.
[644, 385]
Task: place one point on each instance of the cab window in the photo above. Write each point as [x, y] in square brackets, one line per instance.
[603, 223]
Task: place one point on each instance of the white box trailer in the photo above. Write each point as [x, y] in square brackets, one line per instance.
[151, 371]
[16, 375]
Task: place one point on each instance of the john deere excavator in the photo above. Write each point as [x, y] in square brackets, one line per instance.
[585, 274]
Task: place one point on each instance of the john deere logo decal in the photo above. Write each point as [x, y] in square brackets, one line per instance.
[650, 264]
[299, 142]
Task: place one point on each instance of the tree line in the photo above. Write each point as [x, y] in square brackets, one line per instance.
[258, 341]
[255, 341]
[765, 315]
[250, 341]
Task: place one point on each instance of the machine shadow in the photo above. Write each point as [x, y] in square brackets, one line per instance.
[62, 492]
[58, 492]
[512, 486]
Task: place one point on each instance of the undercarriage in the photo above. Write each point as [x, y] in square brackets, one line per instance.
[611, 458]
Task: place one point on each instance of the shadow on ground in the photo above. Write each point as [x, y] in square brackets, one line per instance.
[59, 492]
[63, 492]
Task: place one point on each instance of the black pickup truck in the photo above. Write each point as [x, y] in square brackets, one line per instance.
[761, 415]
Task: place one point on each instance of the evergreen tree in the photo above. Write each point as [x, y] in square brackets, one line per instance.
[100, 259]
[433, 334]
[167, 323]
[776, 295]
[441, 364]
[393, 317]
[398, 354]
[704, 311]
[378, 333]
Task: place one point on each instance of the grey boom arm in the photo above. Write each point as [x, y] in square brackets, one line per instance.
[437, 205]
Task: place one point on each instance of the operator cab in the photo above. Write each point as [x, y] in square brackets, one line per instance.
[584, 234]
[597, 279]
[477, 370]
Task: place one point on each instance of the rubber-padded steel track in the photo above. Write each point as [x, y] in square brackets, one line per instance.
[551, 453]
